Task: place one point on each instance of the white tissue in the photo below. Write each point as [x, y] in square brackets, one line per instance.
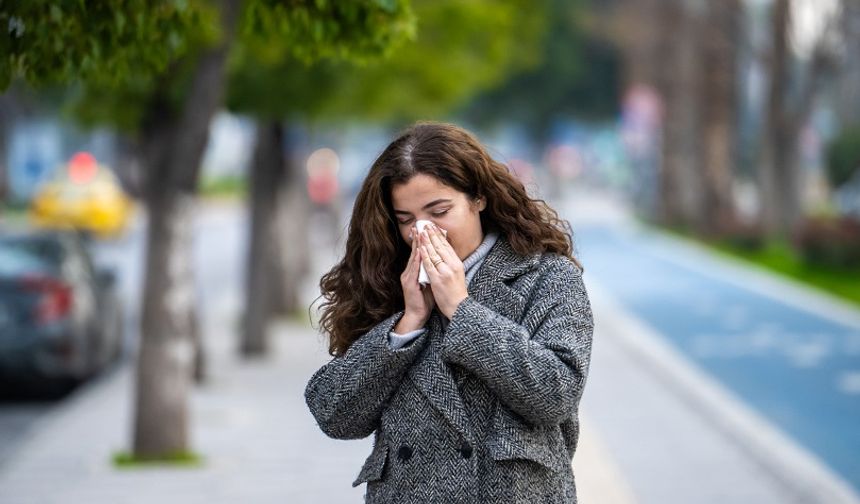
[423, 279]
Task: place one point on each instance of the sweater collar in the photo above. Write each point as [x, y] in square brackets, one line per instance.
[480, 252]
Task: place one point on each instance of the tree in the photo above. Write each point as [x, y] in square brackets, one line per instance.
[686, 50]
[848, 88]
[697, 59]
[12, 106]
[719, 100]
[678, 46]
[778, 189]
[173, 142]
[281, 91]
[790, 98]
[53, 42]
[167, 102]
[49, 43]
[312, 30]
[458, 48]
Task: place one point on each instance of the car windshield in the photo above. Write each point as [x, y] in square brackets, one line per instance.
[23, 255]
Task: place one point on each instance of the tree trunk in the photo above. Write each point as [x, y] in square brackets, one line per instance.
[719, 111]
[11, 106]
[848, 92]
[779, 192]
[267, 180]
[166, 352]
[175, 146]
[639, 37]
[292, 257]
[130, 167]
[199, 368]
[5, 130]
[782, 178]
[679, 182]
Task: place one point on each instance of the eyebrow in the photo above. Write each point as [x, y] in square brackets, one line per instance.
[428, 205]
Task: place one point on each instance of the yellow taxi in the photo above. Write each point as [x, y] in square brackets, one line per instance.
[82, 195]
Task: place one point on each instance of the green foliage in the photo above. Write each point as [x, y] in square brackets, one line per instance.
[274, 37]
[460, 48]
[312, 30]
[457, 49]
[309, 59]
[578, 77]
[277, 88]
[56, 41]
[843, 156]
[128, 103]
[780, 256]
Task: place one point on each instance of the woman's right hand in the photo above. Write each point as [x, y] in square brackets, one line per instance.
[418, 302]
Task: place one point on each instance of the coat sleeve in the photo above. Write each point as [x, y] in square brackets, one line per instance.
[540, 376]
[347, 395]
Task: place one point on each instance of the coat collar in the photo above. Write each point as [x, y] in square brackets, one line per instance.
[504, 264]
[489, 287]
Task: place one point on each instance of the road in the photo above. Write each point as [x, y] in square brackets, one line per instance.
[787, 353]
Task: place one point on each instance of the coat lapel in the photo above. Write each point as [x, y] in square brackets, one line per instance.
[489, 287]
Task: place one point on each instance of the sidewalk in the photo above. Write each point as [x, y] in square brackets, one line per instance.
[642, 441]
[250, 423]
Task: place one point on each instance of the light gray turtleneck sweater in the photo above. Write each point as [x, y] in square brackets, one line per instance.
[470, 265]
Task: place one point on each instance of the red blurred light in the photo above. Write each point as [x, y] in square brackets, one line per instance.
[82, 167]
[322, 188]
[56, 297]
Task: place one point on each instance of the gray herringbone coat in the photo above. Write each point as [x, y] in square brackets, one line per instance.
[483, 410]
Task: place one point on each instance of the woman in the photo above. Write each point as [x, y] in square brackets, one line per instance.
[471, 384]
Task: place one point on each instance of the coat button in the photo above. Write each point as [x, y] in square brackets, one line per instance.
[404, 453]
[466, 450]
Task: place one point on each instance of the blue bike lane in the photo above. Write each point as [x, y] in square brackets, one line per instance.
[797, 366]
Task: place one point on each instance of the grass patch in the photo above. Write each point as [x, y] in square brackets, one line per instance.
[299, 316]
[13, 212]
[296, 317]
[126, 460]
[780, 257]
[227, 186]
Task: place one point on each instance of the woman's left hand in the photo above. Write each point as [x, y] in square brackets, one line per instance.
[445, 269]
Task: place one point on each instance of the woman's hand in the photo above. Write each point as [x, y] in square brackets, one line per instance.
[418, 302]
[445, 269]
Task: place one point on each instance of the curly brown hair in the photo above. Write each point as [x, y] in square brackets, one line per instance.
[364, 288]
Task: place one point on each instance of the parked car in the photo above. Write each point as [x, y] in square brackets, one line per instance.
[61, 319]
[83, 195]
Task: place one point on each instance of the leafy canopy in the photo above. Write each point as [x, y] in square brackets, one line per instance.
[125, 57]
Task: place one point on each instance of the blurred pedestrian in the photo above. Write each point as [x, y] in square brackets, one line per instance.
[470, 384]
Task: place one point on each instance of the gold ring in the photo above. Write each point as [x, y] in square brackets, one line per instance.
[436, 263]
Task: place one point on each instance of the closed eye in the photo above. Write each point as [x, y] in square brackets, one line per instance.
[436, 214]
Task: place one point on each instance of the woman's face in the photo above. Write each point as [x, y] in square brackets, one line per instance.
[425, 197]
